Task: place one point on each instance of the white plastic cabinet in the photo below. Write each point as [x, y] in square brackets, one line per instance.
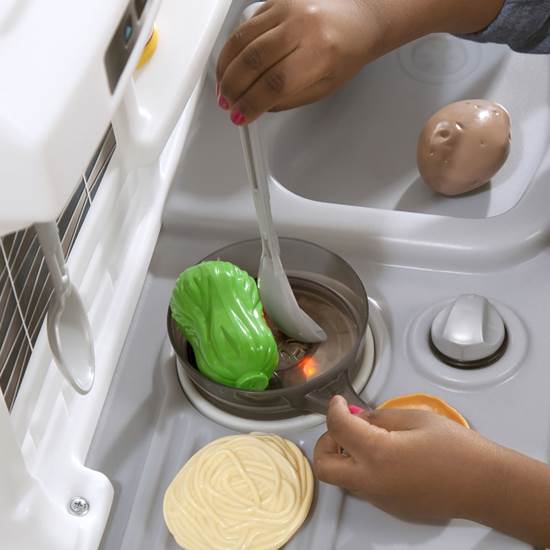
[56, 99]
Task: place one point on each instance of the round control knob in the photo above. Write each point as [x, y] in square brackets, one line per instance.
[468, 333]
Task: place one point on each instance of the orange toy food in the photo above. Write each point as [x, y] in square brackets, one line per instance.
[425, 402]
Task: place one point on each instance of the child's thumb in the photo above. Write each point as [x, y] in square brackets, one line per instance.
[348, 430]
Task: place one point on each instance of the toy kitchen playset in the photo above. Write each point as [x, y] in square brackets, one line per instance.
[112, 404]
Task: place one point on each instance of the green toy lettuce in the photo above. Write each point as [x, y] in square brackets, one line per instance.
[217, 307]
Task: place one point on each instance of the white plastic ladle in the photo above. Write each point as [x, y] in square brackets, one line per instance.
[277, 297]
[69, 331]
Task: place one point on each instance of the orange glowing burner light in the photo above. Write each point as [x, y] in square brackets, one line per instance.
[309, 366]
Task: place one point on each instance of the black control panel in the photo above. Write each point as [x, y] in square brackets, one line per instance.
[124, 40]
[140, 7]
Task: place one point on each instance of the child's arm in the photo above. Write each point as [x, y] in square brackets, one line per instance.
[417, 465]
[294, 52]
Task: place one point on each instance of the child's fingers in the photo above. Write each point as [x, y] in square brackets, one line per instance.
[326, 445]
[351, 432]
[330, 465]
[256, 58]
[311, 94]
[263, 21]
[295, 72]
[336, 470]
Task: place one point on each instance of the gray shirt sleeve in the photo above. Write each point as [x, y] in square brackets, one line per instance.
[522, 24]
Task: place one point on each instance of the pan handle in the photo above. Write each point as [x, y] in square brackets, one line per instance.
[317, 400]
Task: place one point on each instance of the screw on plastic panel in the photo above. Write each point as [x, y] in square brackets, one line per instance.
[79, 506]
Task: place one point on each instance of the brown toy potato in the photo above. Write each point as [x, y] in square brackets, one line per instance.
[463, 146]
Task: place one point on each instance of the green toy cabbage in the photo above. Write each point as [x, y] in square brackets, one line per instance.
[217, 307]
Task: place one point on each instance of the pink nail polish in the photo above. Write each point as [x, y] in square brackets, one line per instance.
[353, 409]
[238, 118]
[223, 103]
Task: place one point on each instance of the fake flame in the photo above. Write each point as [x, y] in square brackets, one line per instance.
[309, 366]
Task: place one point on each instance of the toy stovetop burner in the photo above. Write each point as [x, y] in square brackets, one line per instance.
[307, 376]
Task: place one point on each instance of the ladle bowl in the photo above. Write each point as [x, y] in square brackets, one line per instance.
[69, 331]
[71, 341]
[331, 292]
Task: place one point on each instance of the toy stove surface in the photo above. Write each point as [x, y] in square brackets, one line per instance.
[411, 262]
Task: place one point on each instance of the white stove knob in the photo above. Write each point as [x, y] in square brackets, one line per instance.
[469, 333]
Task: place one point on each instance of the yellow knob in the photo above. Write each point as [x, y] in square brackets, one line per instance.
[149, 49]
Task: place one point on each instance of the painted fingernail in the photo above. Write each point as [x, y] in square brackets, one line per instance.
[223, 103]
[237, 118]
[353, 409]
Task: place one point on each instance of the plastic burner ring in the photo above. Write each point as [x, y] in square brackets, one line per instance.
[234, 422]
[300, 365]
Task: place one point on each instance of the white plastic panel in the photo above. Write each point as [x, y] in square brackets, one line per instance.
[56, 102]
[53, 424]
[159, 91]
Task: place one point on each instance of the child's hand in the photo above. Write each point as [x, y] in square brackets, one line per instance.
[294, 52]
[411, 463]
[418, 465]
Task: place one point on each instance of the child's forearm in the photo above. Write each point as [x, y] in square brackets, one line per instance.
[407, 20]
[513, 496]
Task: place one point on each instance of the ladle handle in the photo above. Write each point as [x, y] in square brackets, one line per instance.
[50, 243]
[257, 174]
[317, 401]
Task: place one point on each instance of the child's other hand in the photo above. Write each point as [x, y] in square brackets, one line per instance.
[294, 52]
[413, 464]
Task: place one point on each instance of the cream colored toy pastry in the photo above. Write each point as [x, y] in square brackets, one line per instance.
[463, 146]
[242, 492]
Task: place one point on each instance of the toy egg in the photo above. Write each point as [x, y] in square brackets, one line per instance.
[463, 146]
[217, 307]
[424, 402]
